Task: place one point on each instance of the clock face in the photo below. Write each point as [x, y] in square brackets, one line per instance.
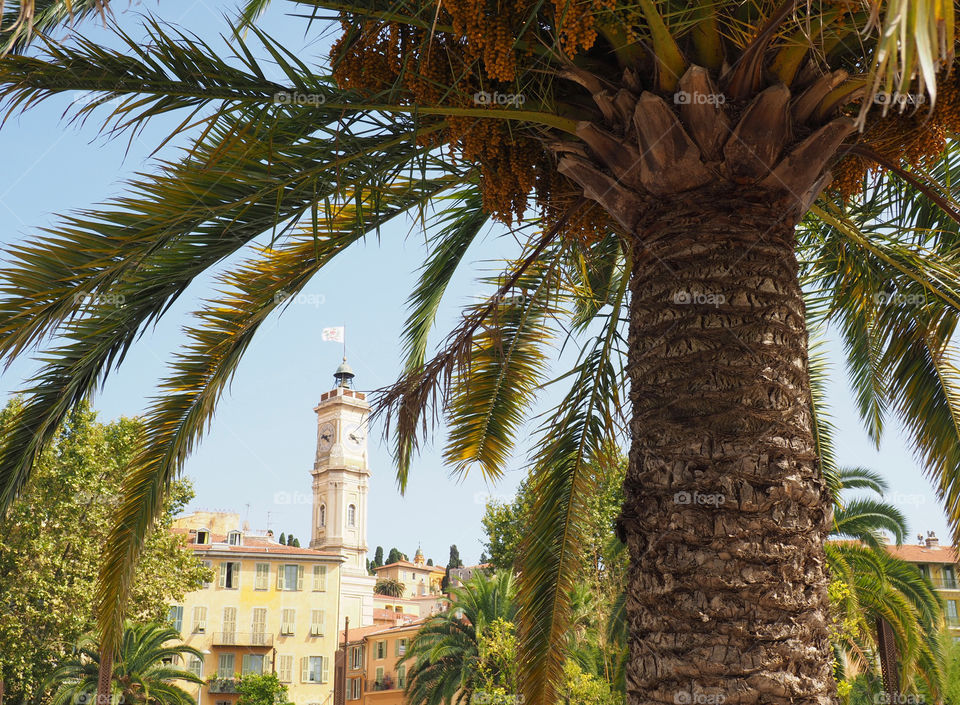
[326, 436]
[357, 435]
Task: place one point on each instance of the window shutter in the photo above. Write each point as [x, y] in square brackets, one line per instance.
[223, 575]
[280, 572]
[396, 648]
[304, 669]
[236, 575]
[299, 577]
[325, 676]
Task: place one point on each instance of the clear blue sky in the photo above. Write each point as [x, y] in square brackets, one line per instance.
[262, 439]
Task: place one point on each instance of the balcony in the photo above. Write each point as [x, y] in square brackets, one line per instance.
[944, 583]
[385, 684]
[952, 621]
[242, 639]
[223, 685]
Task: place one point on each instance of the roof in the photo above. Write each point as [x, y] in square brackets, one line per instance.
[383, 615]
[251, 544]
[922, 554]
[408, 564]
[361, 633]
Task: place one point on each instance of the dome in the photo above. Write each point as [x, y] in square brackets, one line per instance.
[344, 374]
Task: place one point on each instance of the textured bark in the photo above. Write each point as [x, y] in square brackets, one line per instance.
[105, 679]
[726, 511]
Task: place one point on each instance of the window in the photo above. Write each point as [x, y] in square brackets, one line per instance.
[314, 669]
[229, 625]
[949, 577]
[226, 665]
[398, 609]
[952, 609]
[199, 620]
[356, 657]
[234, 538]
[380, 649]
[924, 570]
[320, 578]
[230, 575]
[352, 515]
[195, 666]
[290, 577]
[401, 647]
[209, 566]
[323, 515]
[253, 663]
[353, 689]
[259, 625]
[317, 622]
[288, 621]
[203, 536]
[175, 617]
[285, 668]
[379, 678]
[262, 580]
[401, 677]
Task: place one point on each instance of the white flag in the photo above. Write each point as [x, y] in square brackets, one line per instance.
[334, 335]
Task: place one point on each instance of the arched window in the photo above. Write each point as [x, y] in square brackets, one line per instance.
[323, 515]
[351, 515]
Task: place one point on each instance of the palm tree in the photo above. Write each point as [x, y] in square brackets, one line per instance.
[389, 587]
[142, 670]
[679, 157]
[444, 654]
[873, 588]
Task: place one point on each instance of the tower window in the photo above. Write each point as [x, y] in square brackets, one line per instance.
[351, 515]
[233, 538]
[323, 515]
[203, 536]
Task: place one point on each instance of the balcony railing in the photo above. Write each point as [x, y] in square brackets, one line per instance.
[944, 583]
[242, 639]
[224, 685]
[952, 621]
[384, 684]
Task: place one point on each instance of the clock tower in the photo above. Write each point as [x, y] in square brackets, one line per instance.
[341, 481]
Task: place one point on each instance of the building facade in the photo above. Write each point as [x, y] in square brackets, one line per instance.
[270, 608]
[940, 565]
[374, 673]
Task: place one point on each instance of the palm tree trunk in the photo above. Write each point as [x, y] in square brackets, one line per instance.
[105, 678]
[726, 511]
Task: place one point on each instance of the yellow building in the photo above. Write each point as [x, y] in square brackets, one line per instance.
[418, 578]
[939, 564]
[270, 608]
[373, 674]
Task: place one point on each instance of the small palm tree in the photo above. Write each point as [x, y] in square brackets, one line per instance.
[389, 587]
[143, 673]
[872, 588]
[444, 654]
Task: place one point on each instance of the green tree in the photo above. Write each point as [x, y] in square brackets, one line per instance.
[444, 655]
[695, 168]
[389, 587]
[454, 560]
[283, 539]
[869, 584]
[378, 557]
[51, 543]
[395, 556]
[257, 689]
[142, 674]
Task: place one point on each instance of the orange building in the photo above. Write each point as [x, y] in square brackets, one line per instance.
[373, 674]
